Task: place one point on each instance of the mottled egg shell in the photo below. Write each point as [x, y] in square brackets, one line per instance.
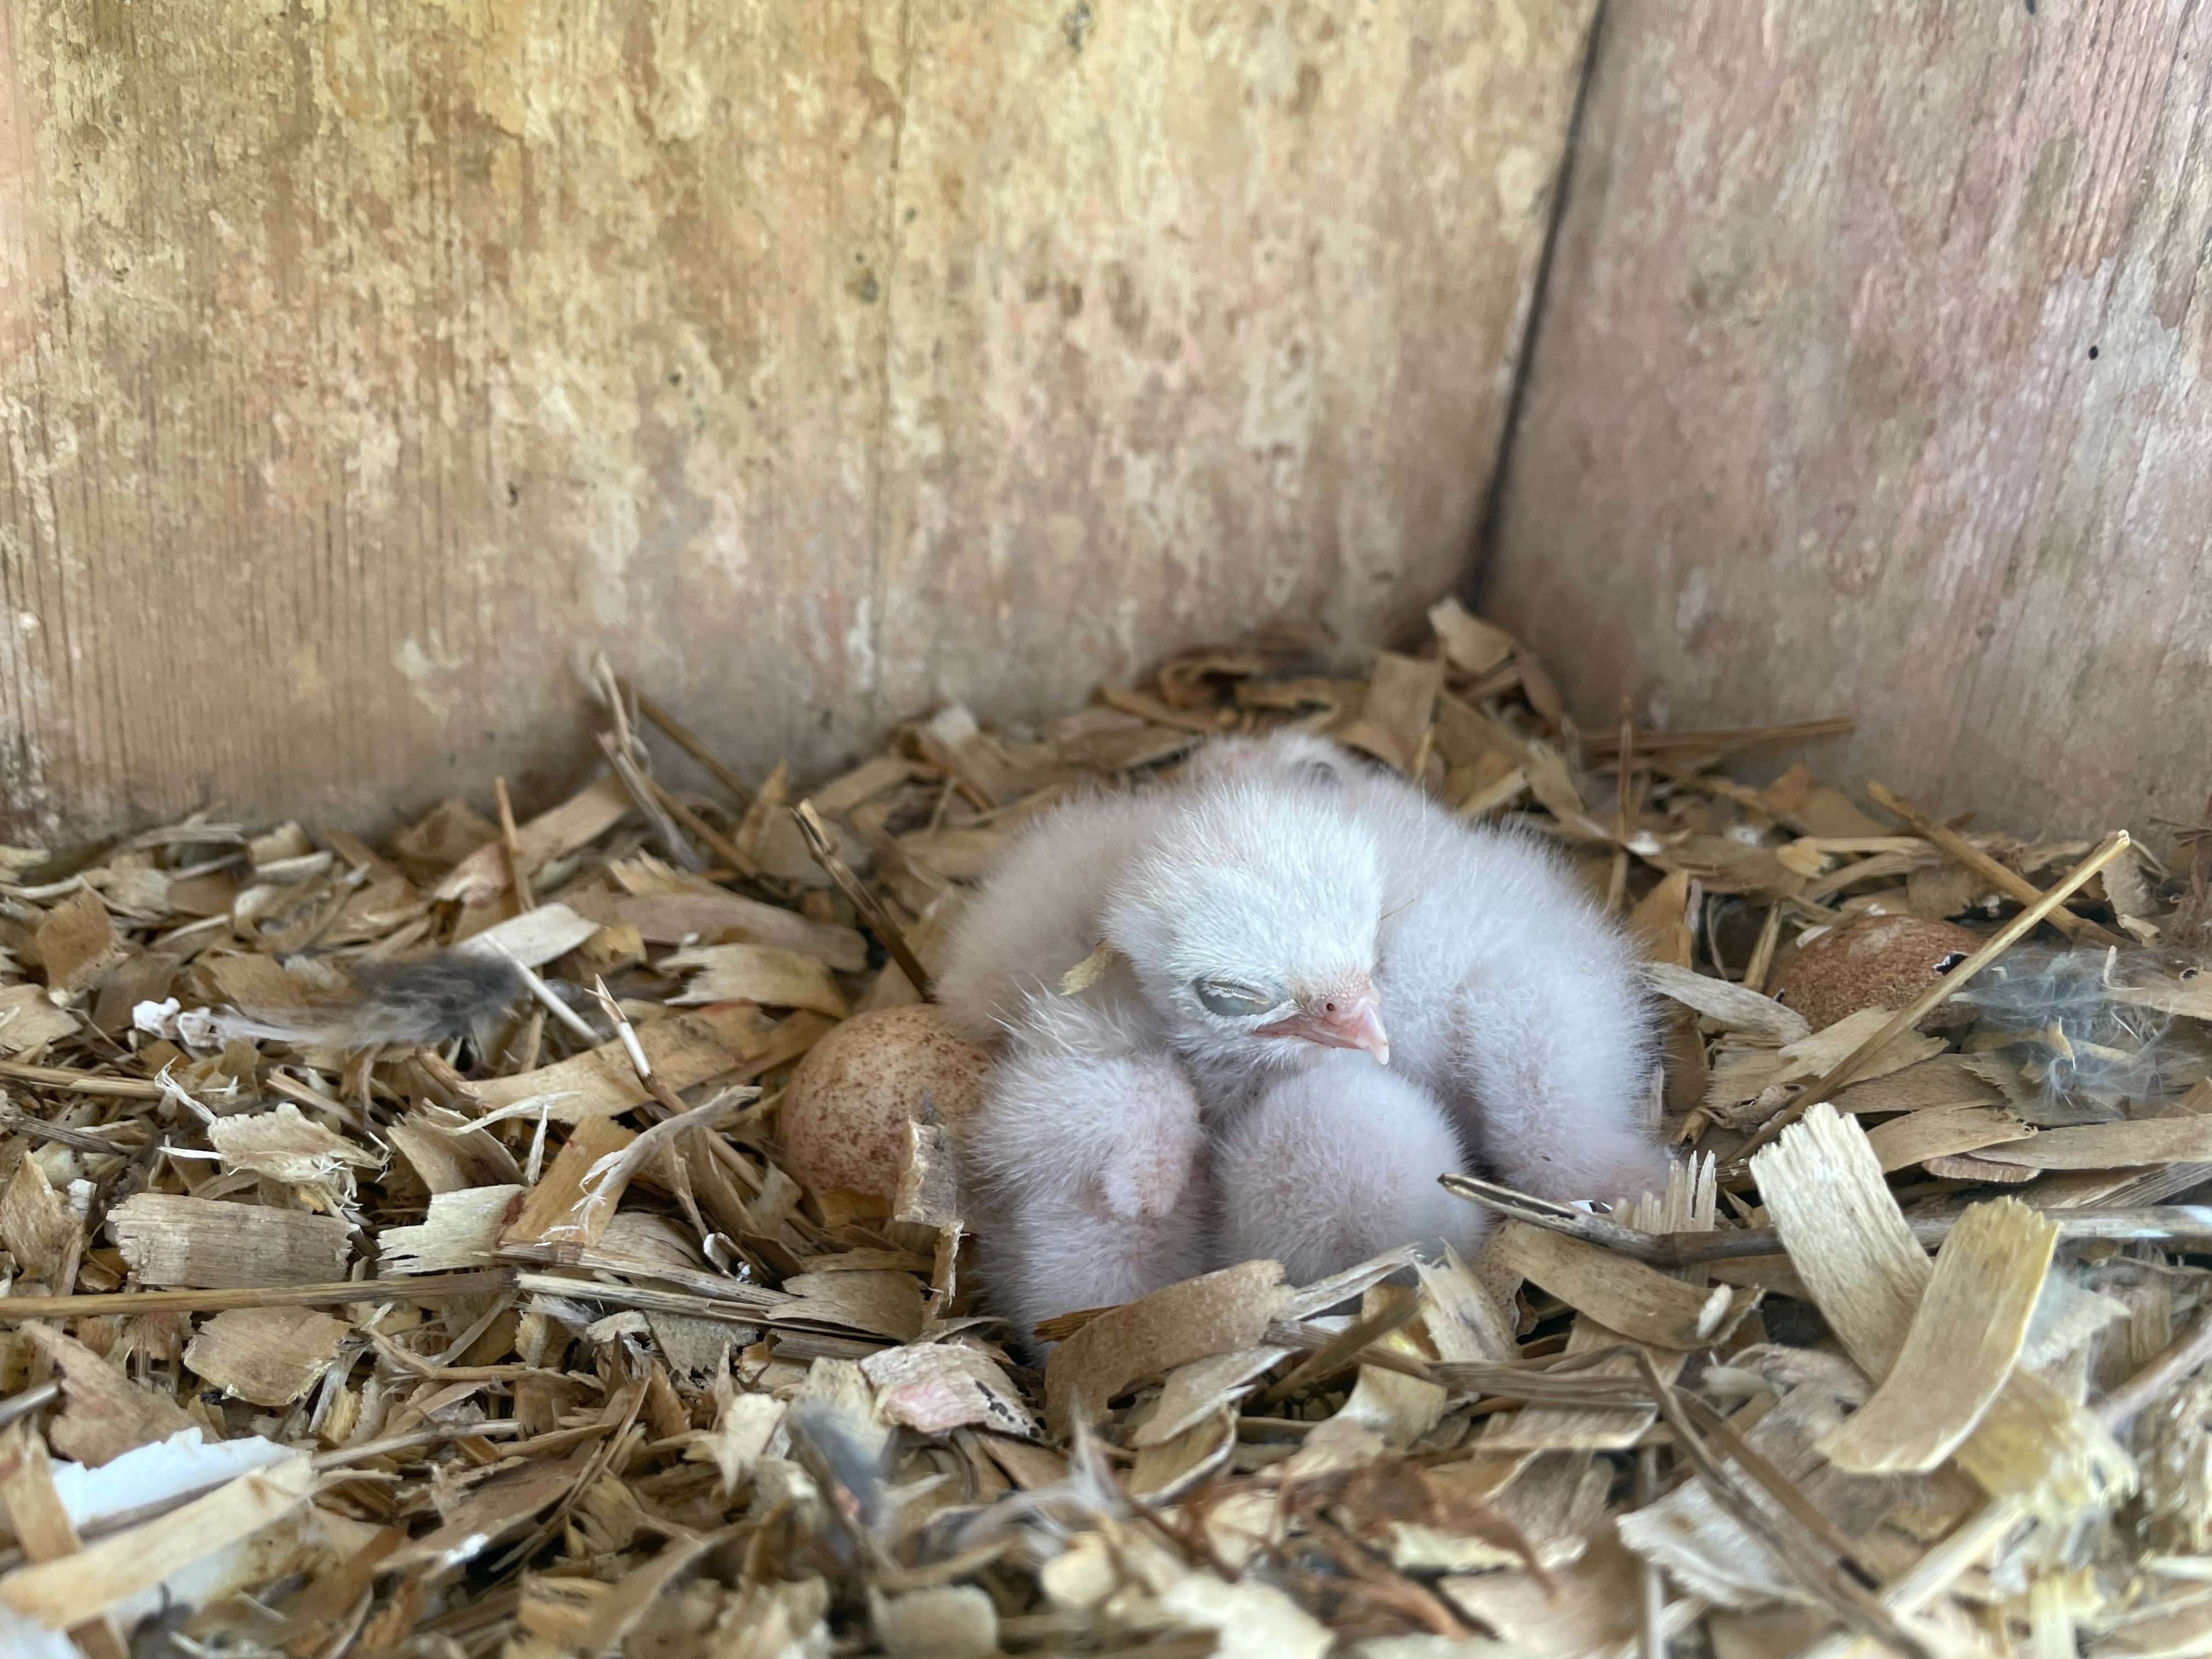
[845, 1112]
[1872, 962]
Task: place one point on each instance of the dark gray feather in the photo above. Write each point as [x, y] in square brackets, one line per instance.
[425, 1000]
[430, 999]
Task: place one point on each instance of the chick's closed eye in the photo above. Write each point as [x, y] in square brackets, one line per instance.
[1227, 998]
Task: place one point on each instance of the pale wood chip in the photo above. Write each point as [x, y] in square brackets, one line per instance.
[532, 939]
[955, 852]
[1966, 1336]
[204, 1244]
[77, 942]
[1710, 1552]
[106, 1414]
[1398, 1408]
[626, 1604]
[1941, 1132]
[1089, 971]
[1394, 717]
[560, 1211]
[1249, 1618]
[1491, 783]
[1553, 784]
[1848, 1241]
[1165, 1469]
[30, 1023]
[947, 1621]
[269, 1356]
[1472, 644]
[765, 974]
[1587, 1428]
[43, 1527]
[1965, 1166]
[449, 1153]
[866, 781]
[1212, 1313]
[881, 1304]
[1660, 922]
[1813, 808]
[286, 1145]
[486, 872]
[1589, 1609]
[37, 1224]
[1640, 1302]
[1731, 1005]
[937, 1387]
[495, 1510]
[955, 745]
[1942, 1080]
[1742, 1076]
[1465, 1317]
[460, 1230]
[677, 918]
[746, 1426]
[2111, 1145]
[602, 1083]
[1196, 1391]
[928, 1192]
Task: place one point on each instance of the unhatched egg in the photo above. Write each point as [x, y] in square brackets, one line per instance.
[845, 1112]
[1872, 962]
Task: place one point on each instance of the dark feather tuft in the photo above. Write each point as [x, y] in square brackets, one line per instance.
[426, 1000]
[430, 999]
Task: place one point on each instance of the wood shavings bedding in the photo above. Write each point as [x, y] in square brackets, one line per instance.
[586, 1369]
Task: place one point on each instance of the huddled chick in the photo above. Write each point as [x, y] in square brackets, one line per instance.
[1322, 991]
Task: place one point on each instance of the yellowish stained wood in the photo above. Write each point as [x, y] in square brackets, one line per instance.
[1965, 1337]
[362, 372]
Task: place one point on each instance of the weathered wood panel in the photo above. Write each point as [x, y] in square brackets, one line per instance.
[365, 369]
[1872, 376]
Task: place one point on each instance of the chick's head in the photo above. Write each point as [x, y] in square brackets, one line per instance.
[1251, 922]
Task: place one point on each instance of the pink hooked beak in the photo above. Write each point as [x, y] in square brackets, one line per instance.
[1337, 1022]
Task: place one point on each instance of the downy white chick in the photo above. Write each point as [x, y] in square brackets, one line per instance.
[1506, 993]
[1336, 1163]
[1086, 1163]
[1281, 909]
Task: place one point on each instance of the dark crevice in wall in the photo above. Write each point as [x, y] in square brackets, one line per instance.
[1493, 502]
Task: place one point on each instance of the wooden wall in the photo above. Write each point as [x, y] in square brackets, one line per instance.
[1872, 376]
[363, 369]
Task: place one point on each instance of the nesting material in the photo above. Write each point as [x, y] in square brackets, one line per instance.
[1966, 1338]
[640, 1323]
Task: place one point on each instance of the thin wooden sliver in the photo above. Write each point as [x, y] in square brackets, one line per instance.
[1941, 1132]
[1850, 1244]
[2110, 1145]
[74, 1588]
[1965, 1338]
[1640, 1302]
[603, 1082]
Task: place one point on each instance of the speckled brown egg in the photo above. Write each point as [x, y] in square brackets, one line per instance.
[845, 1112]
[1875, 962]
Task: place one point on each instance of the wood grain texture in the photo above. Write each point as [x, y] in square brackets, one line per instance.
[363, 372]
[1871, 377]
